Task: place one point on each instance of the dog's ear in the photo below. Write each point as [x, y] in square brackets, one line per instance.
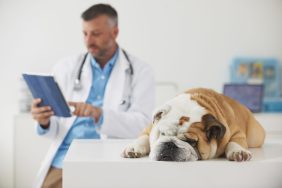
[158, 116]
[161, 112]
[213, 128]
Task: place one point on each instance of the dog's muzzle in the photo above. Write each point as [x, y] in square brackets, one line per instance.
[173, 149]
[168, 152]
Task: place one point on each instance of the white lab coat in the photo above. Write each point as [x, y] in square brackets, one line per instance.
[121, 119]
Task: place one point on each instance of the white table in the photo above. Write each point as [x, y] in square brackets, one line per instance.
[26, 142]
[94, 163]
[272, 122]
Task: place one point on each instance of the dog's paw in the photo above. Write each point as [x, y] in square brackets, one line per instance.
[235, 152]
[133, 151]
[240, 155]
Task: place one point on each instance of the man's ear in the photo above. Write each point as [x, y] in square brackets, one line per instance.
[115, 32]
[213, 128]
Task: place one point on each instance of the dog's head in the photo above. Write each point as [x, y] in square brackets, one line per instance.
[184, 131]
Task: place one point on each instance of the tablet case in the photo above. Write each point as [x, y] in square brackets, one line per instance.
[46, 88]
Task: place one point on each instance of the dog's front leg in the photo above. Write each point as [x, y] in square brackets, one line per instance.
[139, 148]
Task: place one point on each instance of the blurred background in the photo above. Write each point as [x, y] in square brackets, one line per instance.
[189, 43]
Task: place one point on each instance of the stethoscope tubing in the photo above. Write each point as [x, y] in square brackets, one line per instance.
[77, 83]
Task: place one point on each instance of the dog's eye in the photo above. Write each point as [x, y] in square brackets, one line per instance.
[191, 138]
[192, 142]
[162, 133]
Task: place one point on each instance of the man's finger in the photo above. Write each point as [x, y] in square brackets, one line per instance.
[40, 109]
[77, 107]
[74, 104]
[86, 112]
[44, 115]
[73, 107]
[80, 109]
[35, 102]
[89, 110]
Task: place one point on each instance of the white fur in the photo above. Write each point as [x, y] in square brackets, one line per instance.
[167, 128]
[140, 147]
[235, 149]
[154, 135]
[182, 105]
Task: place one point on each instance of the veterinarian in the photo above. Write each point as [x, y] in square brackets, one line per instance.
[111, 91]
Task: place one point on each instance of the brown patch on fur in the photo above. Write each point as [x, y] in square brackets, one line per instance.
[241, 126]
[183, 119]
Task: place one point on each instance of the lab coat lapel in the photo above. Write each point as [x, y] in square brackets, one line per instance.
[115, 86]
[71, 95]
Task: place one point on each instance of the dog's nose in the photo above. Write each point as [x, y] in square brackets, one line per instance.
[165, 158]
[168, 152]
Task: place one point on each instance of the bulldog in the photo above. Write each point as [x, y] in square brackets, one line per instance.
[199, 124]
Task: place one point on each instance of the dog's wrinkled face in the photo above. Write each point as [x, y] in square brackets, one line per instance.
[178, 128]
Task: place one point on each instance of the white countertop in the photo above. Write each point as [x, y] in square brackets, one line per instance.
[110, 150]
[98, 163]
[271, 122]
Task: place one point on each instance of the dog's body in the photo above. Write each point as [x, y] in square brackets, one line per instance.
[199, 124]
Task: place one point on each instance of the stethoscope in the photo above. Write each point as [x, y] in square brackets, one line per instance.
[77, 82]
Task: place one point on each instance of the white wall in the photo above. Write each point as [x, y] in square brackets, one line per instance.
[190, 42]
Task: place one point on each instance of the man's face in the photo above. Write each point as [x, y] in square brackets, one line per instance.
[99, 35]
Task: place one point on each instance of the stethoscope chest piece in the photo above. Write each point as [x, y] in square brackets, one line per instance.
[77, 85]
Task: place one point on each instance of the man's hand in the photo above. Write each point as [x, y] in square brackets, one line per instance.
[86, 110]
[41, 114]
